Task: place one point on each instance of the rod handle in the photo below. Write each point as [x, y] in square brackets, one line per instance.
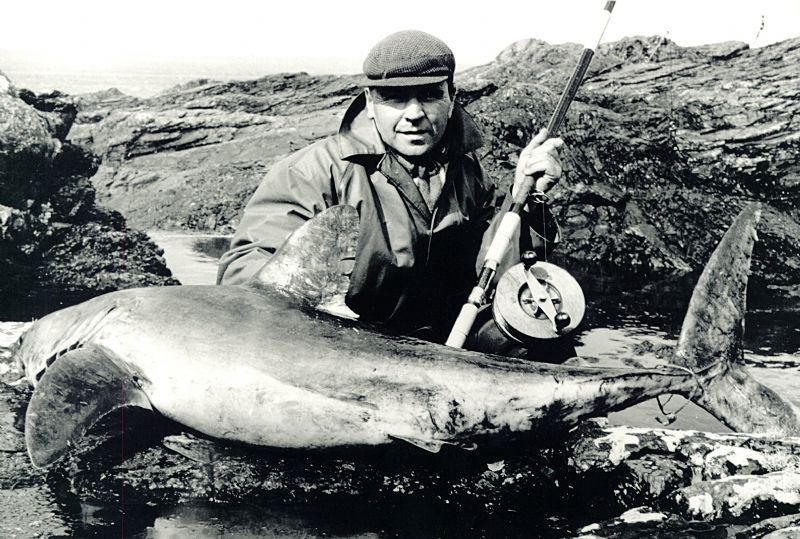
[462, 326]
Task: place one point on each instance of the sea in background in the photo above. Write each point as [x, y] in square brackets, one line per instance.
[147, 76]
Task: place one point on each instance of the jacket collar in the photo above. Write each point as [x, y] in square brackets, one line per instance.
[359, 139]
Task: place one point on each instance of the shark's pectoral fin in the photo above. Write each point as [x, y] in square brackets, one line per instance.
[75, 392]
[192, 447]
[431, 446]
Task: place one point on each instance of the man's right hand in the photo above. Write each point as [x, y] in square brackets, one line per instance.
[540, 156]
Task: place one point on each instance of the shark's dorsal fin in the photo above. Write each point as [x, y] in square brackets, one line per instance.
[74, 393]
[315, 262]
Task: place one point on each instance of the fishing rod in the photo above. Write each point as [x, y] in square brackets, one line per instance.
[510, 222]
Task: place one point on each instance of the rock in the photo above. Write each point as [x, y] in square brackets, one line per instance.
[785, 526]
[27, 149]
[191, 157]
[57, 247]
[642, 522]
[741, 498]
[664, 145]
[696, 476]
[54, 108]
[648, 522]
[666, 126]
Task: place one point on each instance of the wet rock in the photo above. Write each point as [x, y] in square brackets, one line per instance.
[648, 522]
[784, 526]
[31, 512]
[645, 521]
[11, 429]
[741, 498]
[208, 470]
[57, 247]
[191, 157]
[710, 455]
[695, 475]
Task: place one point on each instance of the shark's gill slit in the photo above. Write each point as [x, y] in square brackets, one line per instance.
[50, 360]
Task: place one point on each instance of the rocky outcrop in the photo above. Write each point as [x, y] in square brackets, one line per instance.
[191, 157]
[57, 246]
[665, 145]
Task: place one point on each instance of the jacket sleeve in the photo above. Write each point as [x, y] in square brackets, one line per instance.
[290, 194]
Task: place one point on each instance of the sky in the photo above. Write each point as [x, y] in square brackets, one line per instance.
[339, 33]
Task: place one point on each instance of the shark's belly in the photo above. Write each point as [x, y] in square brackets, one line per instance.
[226, 363]
[250, 406]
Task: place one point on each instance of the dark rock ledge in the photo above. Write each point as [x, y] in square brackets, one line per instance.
[57, 246]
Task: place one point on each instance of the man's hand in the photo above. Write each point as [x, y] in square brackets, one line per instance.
[541, 155]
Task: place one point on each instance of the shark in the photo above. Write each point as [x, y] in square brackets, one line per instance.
[272, 364]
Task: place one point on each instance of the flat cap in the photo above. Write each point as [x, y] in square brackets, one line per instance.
[409, 58]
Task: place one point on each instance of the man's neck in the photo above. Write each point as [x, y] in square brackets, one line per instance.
[430, 159]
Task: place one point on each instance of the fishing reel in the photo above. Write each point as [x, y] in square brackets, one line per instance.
[535, 305]
[537, 300]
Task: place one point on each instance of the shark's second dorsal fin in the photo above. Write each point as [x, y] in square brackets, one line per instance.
[315, 262]
[75, 392]
[431, 446]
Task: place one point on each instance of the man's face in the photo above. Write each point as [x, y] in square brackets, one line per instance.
[411, 119]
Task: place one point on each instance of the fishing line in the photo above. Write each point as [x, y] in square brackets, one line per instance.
[670, 417]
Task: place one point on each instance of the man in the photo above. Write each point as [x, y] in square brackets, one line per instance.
[405, 158]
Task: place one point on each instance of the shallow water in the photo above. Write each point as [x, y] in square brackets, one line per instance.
[622, 322]
[192, 258]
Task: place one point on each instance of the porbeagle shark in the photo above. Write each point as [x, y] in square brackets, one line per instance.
[265, 364]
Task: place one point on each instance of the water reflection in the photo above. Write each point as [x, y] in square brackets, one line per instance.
[192, 258]
[656, 309]
[363, 520]
[212, 246]
[209, 520]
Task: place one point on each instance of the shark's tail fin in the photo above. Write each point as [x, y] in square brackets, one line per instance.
[710, 343]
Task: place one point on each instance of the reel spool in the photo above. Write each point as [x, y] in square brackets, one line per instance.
[537, 300]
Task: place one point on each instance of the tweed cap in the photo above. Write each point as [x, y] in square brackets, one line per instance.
[409, 58]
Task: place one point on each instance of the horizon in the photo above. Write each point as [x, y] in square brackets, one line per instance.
[184, 41]
[145, 76]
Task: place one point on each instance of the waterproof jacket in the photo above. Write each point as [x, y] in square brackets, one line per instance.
[414, 267]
